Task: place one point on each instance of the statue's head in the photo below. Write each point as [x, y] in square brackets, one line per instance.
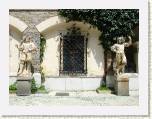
[120, 40]
[28, 39]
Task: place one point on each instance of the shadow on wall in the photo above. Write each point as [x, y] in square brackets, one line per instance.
[51, 55]
[93, 46]
[15, 33]
[97, 51]
[52, 51]
[53, 35]
[15, 36]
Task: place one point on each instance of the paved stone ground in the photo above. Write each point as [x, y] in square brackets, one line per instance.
[75, 99]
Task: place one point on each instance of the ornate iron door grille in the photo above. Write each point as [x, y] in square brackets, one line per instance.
[73, 59]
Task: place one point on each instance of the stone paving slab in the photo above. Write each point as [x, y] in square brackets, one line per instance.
[74, 99]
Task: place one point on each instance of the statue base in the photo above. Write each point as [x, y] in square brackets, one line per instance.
[24, 86]
[122, 85]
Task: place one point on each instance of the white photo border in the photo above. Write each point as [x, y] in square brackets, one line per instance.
[140, 110]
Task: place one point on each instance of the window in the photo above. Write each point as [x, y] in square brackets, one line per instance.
[73, 58]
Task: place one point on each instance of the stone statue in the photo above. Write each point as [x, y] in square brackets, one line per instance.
[26, 49]
[120, 58]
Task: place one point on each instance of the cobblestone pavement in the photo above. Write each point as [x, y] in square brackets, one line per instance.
[74, 99]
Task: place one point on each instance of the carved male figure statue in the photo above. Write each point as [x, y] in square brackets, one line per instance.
[120, 59]
[26, 49]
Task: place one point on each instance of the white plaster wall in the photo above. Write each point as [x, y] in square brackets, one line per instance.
[72, 84]
[51, 57]
[14, 38]
[95, 58]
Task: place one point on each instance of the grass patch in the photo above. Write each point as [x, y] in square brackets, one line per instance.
[42, 89]
[12, 88]
[103, 89]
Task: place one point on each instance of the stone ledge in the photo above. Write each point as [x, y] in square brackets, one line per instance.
[72, 84]
[132, 75]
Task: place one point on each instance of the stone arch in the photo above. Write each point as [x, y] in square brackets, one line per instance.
[52, 21]
[17, 23]
[60, 21]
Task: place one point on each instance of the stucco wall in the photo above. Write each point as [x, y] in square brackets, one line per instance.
[95, 58]
[15, 37]
[51, 56]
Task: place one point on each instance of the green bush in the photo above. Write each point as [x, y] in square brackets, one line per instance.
[12, 87]
[103, 87]
[33, 86]
[42, 87]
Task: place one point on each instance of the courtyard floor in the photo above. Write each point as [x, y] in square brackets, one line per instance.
[89, 98]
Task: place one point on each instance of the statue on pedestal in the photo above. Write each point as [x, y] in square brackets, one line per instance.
[26, 49]
[120, 58]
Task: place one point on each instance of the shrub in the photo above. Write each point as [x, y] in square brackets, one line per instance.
[33, 86]
[12, 87]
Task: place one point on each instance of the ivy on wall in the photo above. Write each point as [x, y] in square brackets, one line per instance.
[111, 22]
[42, 50]
[42, 47]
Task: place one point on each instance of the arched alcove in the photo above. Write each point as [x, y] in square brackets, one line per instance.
[16, 28]
[51, 28]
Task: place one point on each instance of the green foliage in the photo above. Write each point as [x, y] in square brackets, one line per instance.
[103, 87]
[42, 50]
[33, 86]
[111, 22]
[12, 87]
[42, 47]
[42, 89]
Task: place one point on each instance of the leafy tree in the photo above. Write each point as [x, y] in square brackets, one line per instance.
[111, 22]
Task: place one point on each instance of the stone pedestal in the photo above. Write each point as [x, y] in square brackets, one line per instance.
[24, 86]
[122, 85]
[110, 81]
